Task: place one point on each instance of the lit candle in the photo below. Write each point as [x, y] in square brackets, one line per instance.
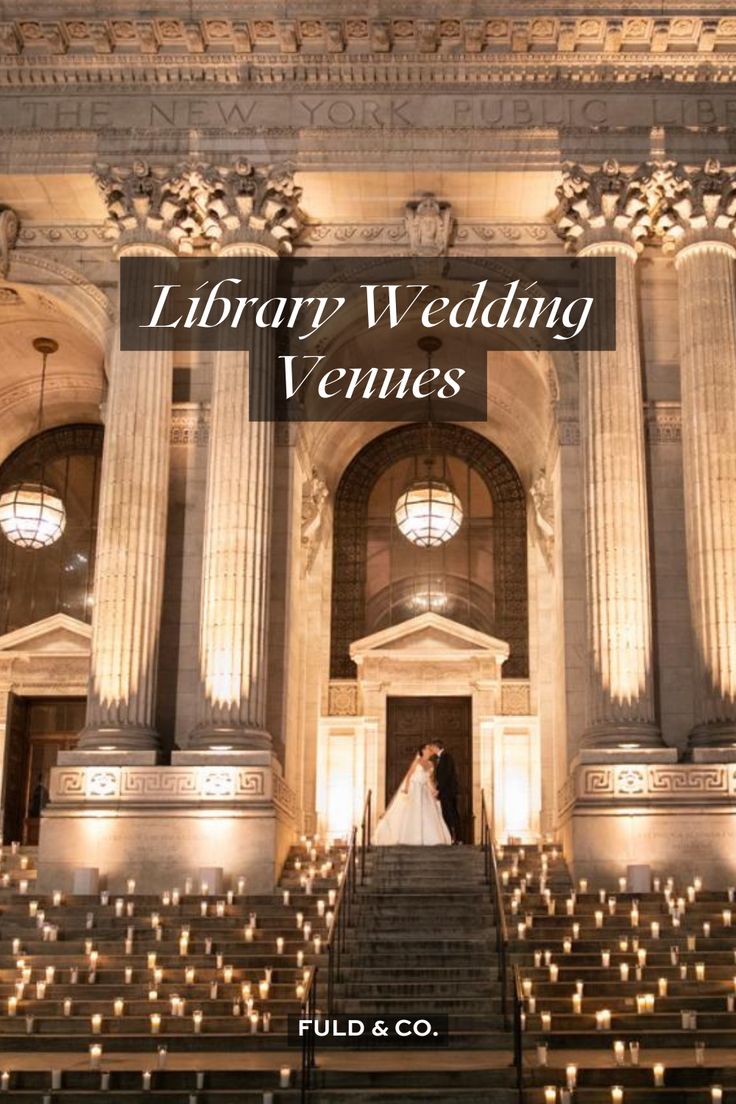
[197, 1018]
[716, 1094]
[280, 944]
[96, 1023]
[128, 975]
[131, 886]
[263, 987]
[12, 1006]
[655, 930]
[546, 1018]
[605, 959]
[146, 1080]
[227, 973]
[700, 971]
[284, 1077]
[67, 1007]
[662, 986]
[634, 1052]
[550, 1094]
[56, 898]
[624, 971]
[571, 1076]
[5, 1080]
[118, 1006]
[287, 897]
[155, 1023]
[253, 1023]
[622, 884]
[700, 1054]
[95, 1055]
[300, 958]
[598, 918]
[542, 1054]
[603, 1019]
[617, 1095]
[248, 932]
[554, 971]
[577, 1003]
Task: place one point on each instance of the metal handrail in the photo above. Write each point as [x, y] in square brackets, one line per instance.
[518, 1033]
[344, 903]
[309, 1011]
[494, 880]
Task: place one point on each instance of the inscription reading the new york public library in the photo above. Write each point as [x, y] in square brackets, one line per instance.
[382, 112]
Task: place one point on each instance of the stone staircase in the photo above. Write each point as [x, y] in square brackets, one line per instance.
[639, 962]
[67, 960]
[423, 940]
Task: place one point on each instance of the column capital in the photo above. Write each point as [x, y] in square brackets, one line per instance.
[198, 208]
[694, 205]
[602, 207]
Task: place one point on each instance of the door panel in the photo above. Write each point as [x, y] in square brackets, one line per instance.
[414, 721]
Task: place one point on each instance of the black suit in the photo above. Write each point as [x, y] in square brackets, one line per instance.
[445, 779]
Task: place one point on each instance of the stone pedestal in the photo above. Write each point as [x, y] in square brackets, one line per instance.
[680, 816]
[161, 825]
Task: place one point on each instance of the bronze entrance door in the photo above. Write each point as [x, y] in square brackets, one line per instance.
[414, 721]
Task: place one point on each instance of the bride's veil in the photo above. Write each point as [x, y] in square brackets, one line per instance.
[401, 791]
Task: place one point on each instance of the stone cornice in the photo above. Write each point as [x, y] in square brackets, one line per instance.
[321, 49]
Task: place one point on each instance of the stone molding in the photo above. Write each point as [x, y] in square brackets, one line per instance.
[663, 422]
[275, 41]
[190, 424]
[343, 698]
[647, 784]
[162, 788]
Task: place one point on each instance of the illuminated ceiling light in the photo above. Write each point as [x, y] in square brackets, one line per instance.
[429, 513]
[32, 515]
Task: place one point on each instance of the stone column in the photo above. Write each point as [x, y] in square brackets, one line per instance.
[235, 560]
[699, 227]
[598, 216]
[130, 556]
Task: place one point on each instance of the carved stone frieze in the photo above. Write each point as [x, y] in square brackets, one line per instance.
[200, 207]
[515, 698]
[343, 698]
[162, 787]
[664, 422]
[190, 424]
[634, 783]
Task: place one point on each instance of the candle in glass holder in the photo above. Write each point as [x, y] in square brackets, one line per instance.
[634, 1052]
[155, 1023]
[700, 971]
[280, 944]
[197, 1017]
[546, 1020]
[598, 918]
[662, 986]
[67, 1007]
[542, 1054]
[716, 1094]
[605, 959]
[624, 971]
[658, 1072]
[284, 1077]
[700, 1054]
[248, 933]
[623, 945]
[527, 986]
[96, 1023]
[300, 958]
[603, 1019]
[12, 1006]
[577, 1003]
[617, 1095]
[146, 1077]
[95, 1055]
[655, 929]
[619, 1052]
[254, 1023]
[550, 1094]
[227, 973]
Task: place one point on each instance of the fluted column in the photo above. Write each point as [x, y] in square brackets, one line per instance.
[235, 561]
[707, 299]
[131, 538]
[598, 216]
[619, 614]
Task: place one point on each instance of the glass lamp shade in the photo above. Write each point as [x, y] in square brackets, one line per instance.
[428, 513]
[32, 515]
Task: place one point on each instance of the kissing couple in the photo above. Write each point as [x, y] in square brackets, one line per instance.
[423, 811]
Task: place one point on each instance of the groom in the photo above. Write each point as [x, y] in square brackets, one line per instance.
[445, 777]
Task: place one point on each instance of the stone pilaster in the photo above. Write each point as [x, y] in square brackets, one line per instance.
[698, 213]
[601, 214]
[131, 538]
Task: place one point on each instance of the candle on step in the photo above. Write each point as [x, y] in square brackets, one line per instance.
[598, 918]
[284, 1077]
[624, 971]
[577, 1003]
[554, 971]
[634, 1052]
[605, 959]
[12, 1006]
[550, 1094]
[118, 1006]
[619, 1052]
[727, 918]
[155, 1023]
[546, 1020]
[662, 986]
[571, 1076]
[617, 1095]
[95, 1055]
[5, 1080]
[700, 1054]
[716, 1094]
[280, 944]
[128, 975]
[190, 975]
[641, 956]
[96, 1023]
[655, 929]
[248, 933]
[67, 1007]
[227, 973]
[542, 1054]
[658, 1072]
[146, 1080]
[603, 1019]
[700, 971]
[197, 1018]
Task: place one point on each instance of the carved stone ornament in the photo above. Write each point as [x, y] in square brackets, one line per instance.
[690, 202]
[540, 494]
[9, 225]
[602, 204]
[198, 207]
[314, 498]
[429, 226]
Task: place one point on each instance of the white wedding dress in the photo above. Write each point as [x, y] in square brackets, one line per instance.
[413, 818]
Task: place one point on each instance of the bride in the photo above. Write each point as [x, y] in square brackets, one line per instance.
[414, 816]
